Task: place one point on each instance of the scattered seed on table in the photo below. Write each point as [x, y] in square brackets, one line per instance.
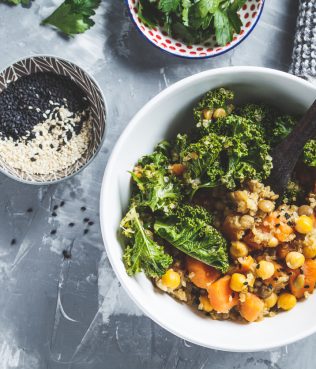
[13, 241]
[29, 210]
[83, 208]
[85, 231]
[55, 207]
[66, 254]
[90, 223]
[71, 224]
[62, 203]
[86, 220]
[53, 231]
[54, 214]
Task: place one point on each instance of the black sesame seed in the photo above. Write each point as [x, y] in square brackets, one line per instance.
[38, 91]
[66, 254]
[90, 223]
[29, 210]
[275, 279]
[245, 283]
[62, 203]
[270, 286]
[86, 220]
[55, 207]
[13, 241]
[85, 231]
[53, 231]
[71, 224]
[54, 214]
[33, 159]
[83, 208]
[306, 286]
[277, 225]
[287, 216]
[258, 266]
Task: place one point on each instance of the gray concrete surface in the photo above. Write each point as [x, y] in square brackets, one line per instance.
[72, 313]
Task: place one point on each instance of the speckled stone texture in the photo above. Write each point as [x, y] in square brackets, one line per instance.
[59, 313]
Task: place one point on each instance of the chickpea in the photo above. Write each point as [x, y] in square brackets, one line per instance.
[238, 282]
[266, 206]
[286, 301]
[299, 281]
[305, 210]
[208, 113]
[271, 300]
[238, 249]
[219, 113]
[309, 251]
[240, 195]
[265, 269]
[294, 260]
[247, 221]
[273, 242]
[171, 279]
[304, 224]
[205, 304]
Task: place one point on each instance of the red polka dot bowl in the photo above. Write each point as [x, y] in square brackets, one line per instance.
[249, 15]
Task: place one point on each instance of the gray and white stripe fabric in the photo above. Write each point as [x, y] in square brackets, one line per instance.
[304, 52]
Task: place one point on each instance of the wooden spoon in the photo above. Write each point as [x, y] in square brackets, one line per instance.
[286, 154]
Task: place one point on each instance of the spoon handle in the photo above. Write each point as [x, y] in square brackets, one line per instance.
[286, 154]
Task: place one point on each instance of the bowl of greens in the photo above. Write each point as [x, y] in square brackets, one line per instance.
[148, 221]
[195, 29]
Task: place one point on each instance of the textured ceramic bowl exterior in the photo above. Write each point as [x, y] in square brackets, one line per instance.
[87, 84]
[165, 115]
[249, 15]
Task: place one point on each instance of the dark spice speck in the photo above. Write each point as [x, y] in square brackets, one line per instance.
[66, 254]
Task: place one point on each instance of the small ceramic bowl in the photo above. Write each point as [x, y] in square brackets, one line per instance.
[249, 15]
[94, 95]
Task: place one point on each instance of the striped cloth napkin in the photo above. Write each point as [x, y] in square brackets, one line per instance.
[304, 53]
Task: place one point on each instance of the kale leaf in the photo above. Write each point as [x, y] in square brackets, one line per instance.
[190, 231]
[310, 153]
[158, 189]
[142, 253]
[73, 16]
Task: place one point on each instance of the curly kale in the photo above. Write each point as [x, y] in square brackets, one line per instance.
[233, 151]
[190, 231]
[142, 253]
[283, 126]
[309, 154]
[157, 188]
[219, 98]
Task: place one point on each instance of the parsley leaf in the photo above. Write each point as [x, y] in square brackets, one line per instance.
[17, 2]
[194, 21]
[168, 6]
[73, 16]
[223, 29]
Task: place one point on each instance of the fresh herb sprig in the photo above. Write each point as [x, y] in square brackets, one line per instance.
[194, 21]
[73, 16]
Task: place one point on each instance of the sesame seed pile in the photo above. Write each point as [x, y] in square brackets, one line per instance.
[45, 123]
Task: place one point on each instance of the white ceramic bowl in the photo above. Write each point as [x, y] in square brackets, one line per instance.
[169, 113]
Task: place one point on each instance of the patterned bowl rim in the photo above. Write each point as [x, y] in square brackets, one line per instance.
[197, 57]
[46, 183]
